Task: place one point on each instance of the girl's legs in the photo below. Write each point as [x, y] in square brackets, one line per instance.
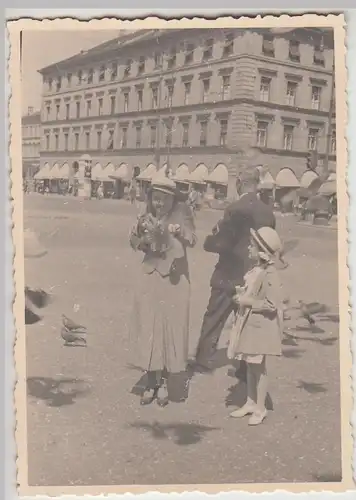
[260, 376]
[249, 407]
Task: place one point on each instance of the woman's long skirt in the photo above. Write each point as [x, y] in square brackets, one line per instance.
[159, 330]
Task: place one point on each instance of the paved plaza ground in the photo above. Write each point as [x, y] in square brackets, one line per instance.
[85, 426]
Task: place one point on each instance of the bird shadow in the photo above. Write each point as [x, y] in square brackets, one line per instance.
[293, 353]
[309, 328]
[31, 318]
[311, 387]
[182, 434]
[331, 318]
[289, 341]
[56, 393]
[237, 395]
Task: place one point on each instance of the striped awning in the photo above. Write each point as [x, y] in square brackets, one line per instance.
[97, 172]
[307, 178]
[64, 171]
[219, 175]
[182, 173]
[123, 173]
[200, 174]
[286, 178]
[147, 174]
[54, 173]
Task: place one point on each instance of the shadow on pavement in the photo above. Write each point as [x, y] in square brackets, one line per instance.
[179, 433]
[311, 387]
[293, 353]
[56, 393]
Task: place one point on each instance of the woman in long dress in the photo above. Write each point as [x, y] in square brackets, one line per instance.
[160, 320]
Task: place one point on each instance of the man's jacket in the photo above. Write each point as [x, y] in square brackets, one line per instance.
[231, 239]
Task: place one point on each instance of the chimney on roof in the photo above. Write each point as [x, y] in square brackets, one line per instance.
[30, 110]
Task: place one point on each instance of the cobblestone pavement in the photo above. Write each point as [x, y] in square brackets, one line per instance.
[85, 426]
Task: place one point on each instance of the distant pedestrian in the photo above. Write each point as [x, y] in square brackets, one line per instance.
[258, 329]
[160, 324]
[133, 192]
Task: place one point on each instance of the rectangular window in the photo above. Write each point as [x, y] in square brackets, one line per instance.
[126, 102]
[67, 111]
[313, 135]
[208, 49]
[205, 89]
[203, 133]
[225, 87]
[261, 139]
[316, 97]
[124, 137]
[111, 140]
[48, 112]
[333, 142]
[98, 139]
[66, 141]
[154, 97]
[77, 104]
[76, 141]
[291, 93]
[102, 74]
[127, 69]
[170, 91]
[113, 72]
[268, 45]
[187, 89]
[87, 140]
[294, 54]
[185, 138]
[318, 58]
[288, 137]
[100, 106]
[59, 84]
[172, 59]
[223, 132]
[50, 83]
[90, 76]
[158, 60]
[228, 49]
[168, 134]
[139, 100]
[69, 79]
[89, 107]
[153, 136]
[138, 136]
[189, 53]
[141, 65]
[56, 142]
[47, 142]
[80, 77]
[265, 87]
[57, 111]
[112, 104]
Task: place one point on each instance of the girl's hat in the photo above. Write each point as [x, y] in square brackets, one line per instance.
[161, 182]
[268, 240]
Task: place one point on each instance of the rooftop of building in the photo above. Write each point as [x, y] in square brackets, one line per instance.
[141, 36]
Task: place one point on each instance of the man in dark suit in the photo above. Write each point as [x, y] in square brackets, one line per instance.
[230, 239]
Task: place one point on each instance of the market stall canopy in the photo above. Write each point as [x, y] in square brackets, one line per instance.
[54, 172]
[147, 174]
[182, 173]
[108, 172]
[97, 172]
[329, 188]
[123, 173]
[307, 178]
[266, 181]
[200, 174]
[64, 171]
[219, 175]
[39, 175]
[286, 178]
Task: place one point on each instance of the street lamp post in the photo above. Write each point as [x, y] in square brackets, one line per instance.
[330, 127]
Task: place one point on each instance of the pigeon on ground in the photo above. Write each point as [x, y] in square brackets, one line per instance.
[71, 325]
[71, 338]
[307, 310]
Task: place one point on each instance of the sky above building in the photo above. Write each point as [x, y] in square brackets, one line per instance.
[42, 48]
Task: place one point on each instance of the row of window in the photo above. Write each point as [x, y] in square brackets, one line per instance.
[31, 130]
[30, 150]
[168, 61]
[289, 132]
[150, 138]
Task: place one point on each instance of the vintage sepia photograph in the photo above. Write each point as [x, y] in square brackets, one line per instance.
[181, 272]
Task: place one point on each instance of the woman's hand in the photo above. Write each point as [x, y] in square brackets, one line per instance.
[174, 229]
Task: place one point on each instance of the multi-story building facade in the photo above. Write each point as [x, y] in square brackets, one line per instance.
[31, 143]
[192, 96]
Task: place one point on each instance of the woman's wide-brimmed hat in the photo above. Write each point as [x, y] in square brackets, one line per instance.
[268, 240]
[160, 182]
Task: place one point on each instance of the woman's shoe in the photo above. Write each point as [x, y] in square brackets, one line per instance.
[257, 417]
[148, 396]
[162, 396]
[247, 409]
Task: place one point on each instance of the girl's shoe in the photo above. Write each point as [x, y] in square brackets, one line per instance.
[148, 396]
[257, 417]
[246, 409]
[162, 396]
